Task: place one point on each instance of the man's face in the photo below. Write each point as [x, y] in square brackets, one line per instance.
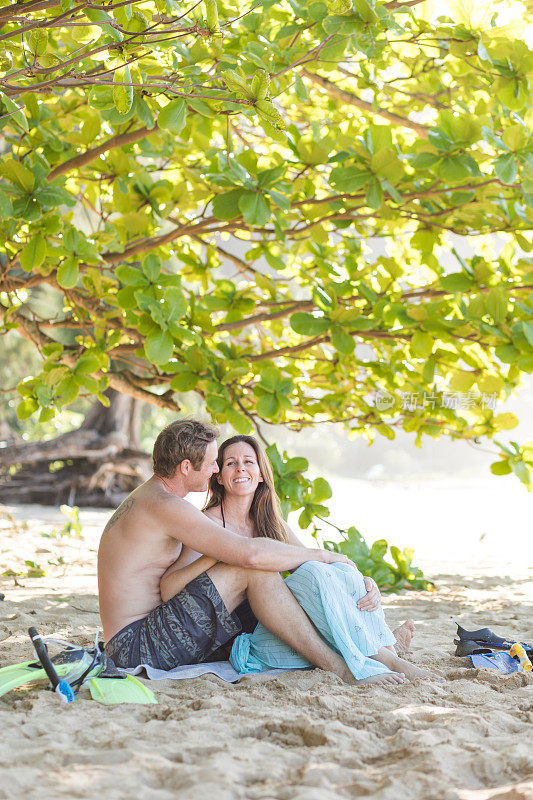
[201, 477]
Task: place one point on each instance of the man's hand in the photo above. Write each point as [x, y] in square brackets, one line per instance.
[372, 598]
[330, 557]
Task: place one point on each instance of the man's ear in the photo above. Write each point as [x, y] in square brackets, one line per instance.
[185, 467]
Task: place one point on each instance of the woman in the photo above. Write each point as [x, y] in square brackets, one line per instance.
[243, 499]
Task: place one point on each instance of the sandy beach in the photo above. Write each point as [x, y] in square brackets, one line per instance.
[295, 735]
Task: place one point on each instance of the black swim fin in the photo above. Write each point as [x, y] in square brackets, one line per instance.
[483, 641]
[481, 635]
[467, 647]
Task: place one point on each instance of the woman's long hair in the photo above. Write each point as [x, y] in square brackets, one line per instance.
[265, 510]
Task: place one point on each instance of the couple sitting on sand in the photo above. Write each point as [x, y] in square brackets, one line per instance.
[178, 586]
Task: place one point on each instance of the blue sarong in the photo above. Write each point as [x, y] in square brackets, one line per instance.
[328, 593]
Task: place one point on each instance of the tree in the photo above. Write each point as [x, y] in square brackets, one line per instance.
[257, 208]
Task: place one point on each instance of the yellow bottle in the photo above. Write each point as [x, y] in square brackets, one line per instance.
[517, 651]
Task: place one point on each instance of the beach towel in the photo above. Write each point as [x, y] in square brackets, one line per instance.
[222, 669]
[328, 593]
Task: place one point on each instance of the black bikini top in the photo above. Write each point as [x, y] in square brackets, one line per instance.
[222, 512]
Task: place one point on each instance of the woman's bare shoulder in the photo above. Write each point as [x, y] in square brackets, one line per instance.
[214, 513]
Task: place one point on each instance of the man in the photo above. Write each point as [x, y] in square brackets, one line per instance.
[145, 535]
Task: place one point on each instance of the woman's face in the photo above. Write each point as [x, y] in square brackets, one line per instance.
[239, 473]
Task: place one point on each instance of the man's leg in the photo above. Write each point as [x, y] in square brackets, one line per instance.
[276, 608]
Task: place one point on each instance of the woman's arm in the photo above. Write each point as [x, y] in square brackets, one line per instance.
[185, 569]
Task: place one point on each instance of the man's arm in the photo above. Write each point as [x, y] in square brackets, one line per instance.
[184, 522]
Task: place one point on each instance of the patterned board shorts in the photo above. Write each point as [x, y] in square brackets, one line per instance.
[192, 627]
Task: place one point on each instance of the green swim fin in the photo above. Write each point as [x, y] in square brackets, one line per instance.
[111, 691]
[73, 663]
[18, 674]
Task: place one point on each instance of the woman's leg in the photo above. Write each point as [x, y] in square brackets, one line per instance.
[328, 593]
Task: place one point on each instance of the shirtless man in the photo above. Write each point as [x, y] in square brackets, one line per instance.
[143, 539]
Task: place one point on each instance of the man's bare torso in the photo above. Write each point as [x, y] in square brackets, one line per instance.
[134, 553]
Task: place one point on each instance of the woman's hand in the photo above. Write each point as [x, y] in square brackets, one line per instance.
[372, 598]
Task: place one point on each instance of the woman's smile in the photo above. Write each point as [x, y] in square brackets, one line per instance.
[240, 469]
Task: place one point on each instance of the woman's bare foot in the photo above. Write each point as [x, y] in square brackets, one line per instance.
[403, 636]
[394, 662]
[393, 678]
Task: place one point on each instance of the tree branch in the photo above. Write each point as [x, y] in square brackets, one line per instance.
[368, 108]
[90, 155]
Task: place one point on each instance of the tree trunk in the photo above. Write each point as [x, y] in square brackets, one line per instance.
[98, 464]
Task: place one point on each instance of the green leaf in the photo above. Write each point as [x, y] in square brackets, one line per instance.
[507, 353]
[226, 206]
[254, 208]
[68, 273]
[527, 328]
[216, 403]
[184, 382]
[176, 303]
[53, 196]
[34, 253]
[27, 407]
[18, 174]
[271, 378]
[173, 116]
[453, 168]
[374, 195]
[151, 268]
[425, 160]
[6, 207]
[349, 179]
[89, 362]
[67, 390]
[321, 490]
[379, 549]
[307, 324]
[341, 340]
[505, 168]
[268, 406]
[239, 422]
[428, 373]
[101, 98]
[159, 346]
[16, 114]
[122, 95]
[297, 464]
[456, 282]
[421, 344]
[504, 422]
[131, 276]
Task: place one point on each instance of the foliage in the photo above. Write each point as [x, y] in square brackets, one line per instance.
[72, 525]
[517, 460]
[371, 561]
[18, 359]
[33, 570]
[256, 209]
[299, 492]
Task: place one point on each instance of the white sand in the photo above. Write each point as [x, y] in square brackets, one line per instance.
[299, 735]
